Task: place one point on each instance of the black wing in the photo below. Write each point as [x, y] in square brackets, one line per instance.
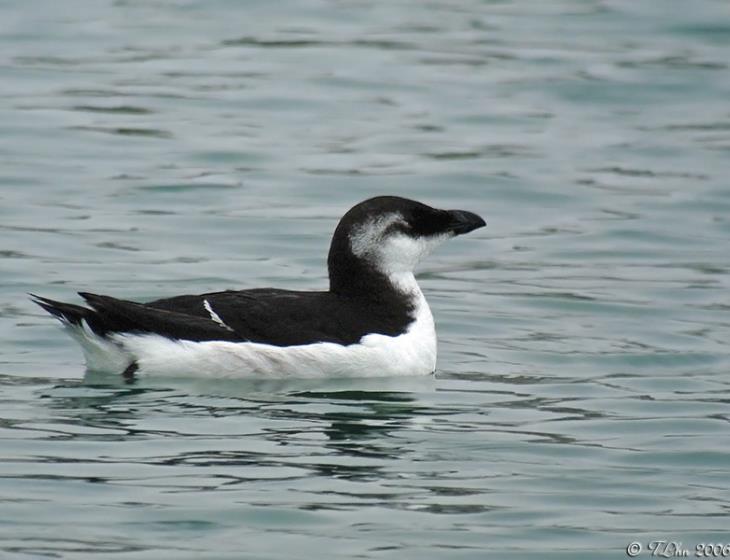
[111, 315]
[287, 318]
[270, 316]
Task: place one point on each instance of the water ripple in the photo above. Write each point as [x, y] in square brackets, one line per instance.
[582, 395]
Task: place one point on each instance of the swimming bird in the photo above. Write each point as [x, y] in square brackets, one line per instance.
[372, 321]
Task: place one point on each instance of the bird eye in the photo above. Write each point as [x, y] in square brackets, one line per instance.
[401, 226]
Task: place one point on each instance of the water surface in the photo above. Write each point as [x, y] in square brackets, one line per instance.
[582, 396]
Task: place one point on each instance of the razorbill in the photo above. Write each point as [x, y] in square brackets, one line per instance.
[373, 320]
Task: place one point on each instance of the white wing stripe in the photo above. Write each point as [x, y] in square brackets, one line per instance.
[214, 315]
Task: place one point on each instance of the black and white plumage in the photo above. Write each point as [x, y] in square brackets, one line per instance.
[373, 320]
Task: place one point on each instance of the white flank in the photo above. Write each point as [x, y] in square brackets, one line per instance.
[213, 315]
[375, 355]
[101, 354]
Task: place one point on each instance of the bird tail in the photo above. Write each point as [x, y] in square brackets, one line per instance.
[67, 313]
[84, 326]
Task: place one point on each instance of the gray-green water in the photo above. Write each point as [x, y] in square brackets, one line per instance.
[582, 401]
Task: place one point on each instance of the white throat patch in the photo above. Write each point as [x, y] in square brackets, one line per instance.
[394, 253]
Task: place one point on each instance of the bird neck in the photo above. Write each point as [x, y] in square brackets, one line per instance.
[355, 277]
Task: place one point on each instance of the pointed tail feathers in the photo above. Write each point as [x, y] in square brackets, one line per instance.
[66, 312]
[107, 315]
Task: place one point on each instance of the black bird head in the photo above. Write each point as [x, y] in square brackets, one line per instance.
[389, 235]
